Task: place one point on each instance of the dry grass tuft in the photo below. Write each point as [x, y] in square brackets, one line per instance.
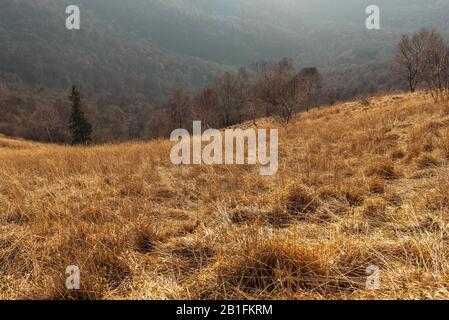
[383, 169]
[354, 192]
[374, 209]
[300, 200]
[445, 145]
[274, 267]
[353, 262]
[397, 154]
[427, 160]
[146, 239]
[376, 185]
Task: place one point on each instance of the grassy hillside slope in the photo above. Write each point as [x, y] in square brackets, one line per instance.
[359, 184]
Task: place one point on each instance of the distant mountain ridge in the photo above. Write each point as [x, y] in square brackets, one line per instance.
[149, 47]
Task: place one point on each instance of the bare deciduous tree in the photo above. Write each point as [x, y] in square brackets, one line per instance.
[282, 91]
[411, 52]
[181, 107]
[424, 58]
[311, 83]
[230, 90]
[436, 66]
[204, 107]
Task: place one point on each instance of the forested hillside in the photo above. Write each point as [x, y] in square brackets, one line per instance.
[150, 46]
[130, 56]
[37, 50]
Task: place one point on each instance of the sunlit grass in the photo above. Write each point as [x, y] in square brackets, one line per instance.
[358, 185]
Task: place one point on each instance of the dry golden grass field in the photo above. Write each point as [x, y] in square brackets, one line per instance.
[358, 184]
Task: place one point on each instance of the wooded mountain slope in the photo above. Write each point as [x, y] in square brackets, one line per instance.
[151, 46]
